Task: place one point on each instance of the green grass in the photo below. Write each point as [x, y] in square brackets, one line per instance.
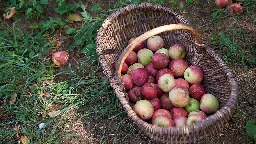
[27, 71]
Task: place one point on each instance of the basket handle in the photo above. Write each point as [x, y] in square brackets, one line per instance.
[150, 33]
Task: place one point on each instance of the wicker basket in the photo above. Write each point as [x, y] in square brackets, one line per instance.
[143, 21]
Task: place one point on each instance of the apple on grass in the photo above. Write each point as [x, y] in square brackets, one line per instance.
[176, 51]
[166, 83]
[179, 96]
[144, 56]
[140, 76]
[197, 91]
[139, 46]
[149, 91]
[193, 105]
[131, 68]
[144, 109]
[131, 58]
[181, 82]
[178, 112]
[134, 94]
[127, 81]
[209, 104]
[163, 51]
[194, 117]
[154, 43]
[178, 67]
[160, 60]
[166, 102]
[193, 74]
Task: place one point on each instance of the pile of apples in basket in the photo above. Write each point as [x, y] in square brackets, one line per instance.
[164, 89]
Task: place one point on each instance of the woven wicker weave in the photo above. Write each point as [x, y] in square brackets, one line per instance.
[143, 21]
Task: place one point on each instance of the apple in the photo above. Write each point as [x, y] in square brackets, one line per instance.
[209, 104]
[160, 60]
[152, 71]
[163, 121]
[139, 46]
[144, 109]
[181, 82]
[156, 103]
[180, 121]
[197, 91]
[193, 74]
[178, 67]
[134, 94]
[140, 76]
[159, 92]
[127, 81]
[194, 117]
[131, 58]
[124, 68]
[166, 82]
[151, 79]
[149, 91]
[176, 51]
[163, 71]
[166, 102]
[161, 112]
[179, 96]
[193, 105]
[164, 51]
[144, 56]
[178, 112]
[154, 43]
[131, 68]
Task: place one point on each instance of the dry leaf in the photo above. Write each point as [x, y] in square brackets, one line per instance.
[23, 140]
[75, 17]
[13, 99]
[10, 14]
[54, 113]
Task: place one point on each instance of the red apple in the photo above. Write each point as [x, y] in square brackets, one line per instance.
[149, 91]
[151, 79]
[178, 67]
[154, 43]
[179, 96]
[163, 121]
[235, 8]
[194, 74]
[156, 103]
[161, 112]
[166, 102]
[152, 71]
[194, 117]
[144, 109]
[131, 68]
[134, 94]
[163, 71]
[209, 104]
[223, 3]
[160, 60]
[159, 92]
[139, 46]
[127, 81]
[124, 68]
[181, 82]
[197, 91]
[178, 112]
[140, 76]
[60, 58]
[180, 121]
[166, 83]
[131, 58]
[176, 51]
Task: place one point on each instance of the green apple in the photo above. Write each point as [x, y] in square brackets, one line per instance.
[209, 104]
[144, 56]
[193, 105]
[163, 50]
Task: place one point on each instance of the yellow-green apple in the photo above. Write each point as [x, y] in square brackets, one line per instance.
[161, 112]
[124, 67]
[139, 46]
[166, 82]
[133, 67]
[179, 96]
[163, 71]
[140, 76]
[127, 81]
[134, 94]
[176, 51]
[144, 109]
[151, 70]
[180, 121]
[181, 82]
[154, 43]
[163, 50]
[166, 102]
[209, 104]
[149, 91]
[131, 58]
[194, 117]
[197, 91]
[163, 121]
[160, 60]
[178, 67]
[194, 74]
[178, 112]
[144, 56]
[156, 103]
[193, 105]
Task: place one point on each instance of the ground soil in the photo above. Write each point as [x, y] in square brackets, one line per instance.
[198, 15]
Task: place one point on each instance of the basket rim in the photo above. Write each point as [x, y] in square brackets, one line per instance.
[223, 114]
